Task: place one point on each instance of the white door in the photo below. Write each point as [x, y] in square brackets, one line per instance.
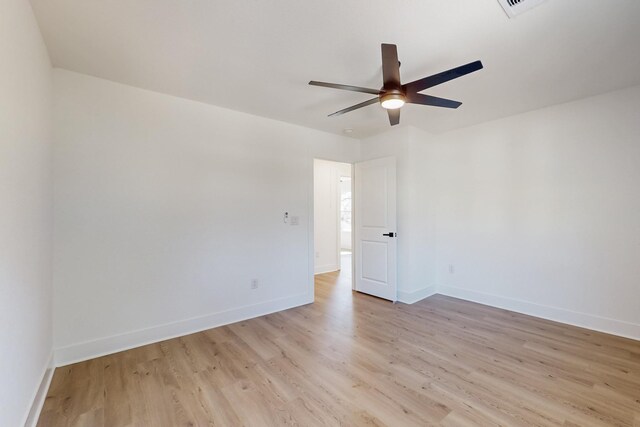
[375, 227]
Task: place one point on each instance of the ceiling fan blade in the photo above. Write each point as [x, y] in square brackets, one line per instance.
[394, 116]
[445, 76]
[390, 67]
[346, 87]
[418, 98]
[355, 107]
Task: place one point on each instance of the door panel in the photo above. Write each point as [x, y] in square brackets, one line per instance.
[374, 255]
[374, 197]
[375, 215]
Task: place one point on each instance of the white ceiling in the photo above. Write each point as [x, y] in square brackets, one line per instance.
[257, 56]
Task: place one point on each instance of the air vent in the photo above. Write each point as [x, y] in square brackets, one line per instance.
[516, 7]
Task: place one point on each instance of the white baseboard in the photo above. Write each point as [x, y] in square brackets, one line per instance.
[583, 320]
[40, 394]
[415, 296]
[321, 269]
[113, 344]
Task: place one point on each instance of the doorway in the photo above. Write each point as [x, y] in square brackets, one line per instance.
[333, 211]
[355, 236]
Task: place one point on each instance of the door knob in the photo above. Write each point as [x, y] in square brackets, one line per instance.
[391, 234]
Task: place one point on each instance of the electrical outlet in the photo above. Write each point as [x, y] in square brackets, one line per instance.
[254, 284]
[451, 269]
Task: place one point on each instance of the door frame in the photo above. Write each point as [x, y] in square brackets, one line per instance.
[353, 230]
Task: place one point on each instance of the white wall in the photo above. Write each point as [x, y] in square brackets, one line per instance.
[537, 213]
[166, 209]
[540, 212]
[25, 211]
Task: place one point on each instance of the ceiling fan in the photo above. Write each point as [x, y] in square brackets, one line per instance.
[394, 95]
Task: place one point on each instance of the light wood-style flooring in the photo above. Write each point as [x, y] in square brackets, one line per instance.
[354, 360]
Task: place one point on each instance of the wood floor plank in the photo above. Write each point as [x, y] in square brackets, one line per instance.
[354, 360]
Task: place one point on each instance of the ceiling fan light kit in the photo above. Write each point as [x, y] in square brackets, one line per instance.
[392, 99]
[393, 94]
